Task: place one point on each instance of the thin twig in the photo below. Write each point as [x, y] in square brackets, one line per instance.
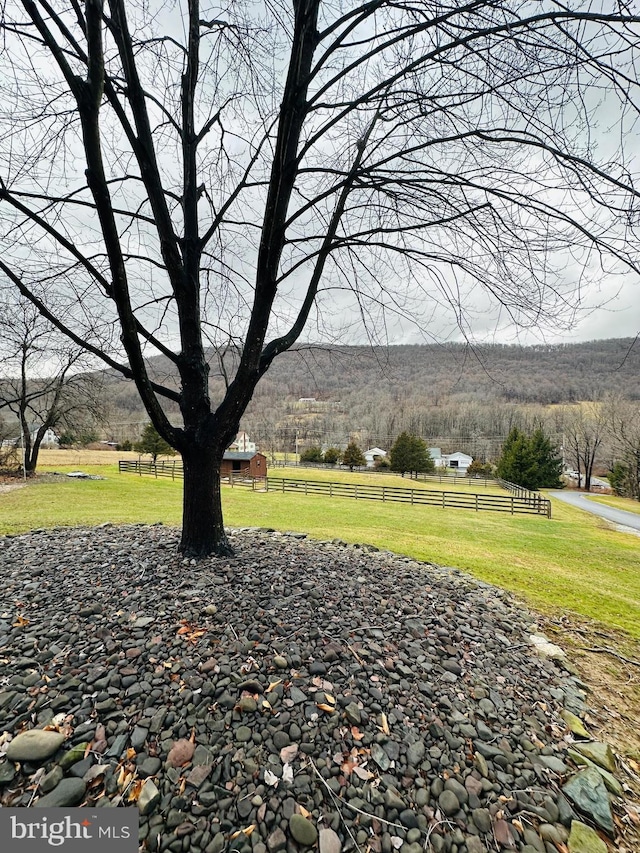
[606, 651]
[336, 799]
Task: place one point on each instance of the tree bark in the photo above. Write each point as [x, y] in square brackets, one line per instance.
[202, 523]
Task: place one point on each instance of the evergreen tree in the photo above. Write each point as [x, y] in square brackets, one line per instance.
[312, 454]
[353, 456]
[410, 453]
[151, 442]
[530, 461]
[331, 456]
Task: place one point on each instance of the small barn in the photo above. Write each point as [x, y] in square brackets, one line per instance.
[245, 464]
[459, 461]
[373, 455]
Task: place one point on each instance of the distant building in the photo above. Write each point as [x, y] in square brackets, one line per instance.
[458, 461]
[243, 464]
[242, 444]
[436, 454]
[373, 454]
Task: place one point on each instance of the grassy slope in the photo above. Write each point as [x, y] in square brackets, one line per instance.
[571, 563]
[619, 503]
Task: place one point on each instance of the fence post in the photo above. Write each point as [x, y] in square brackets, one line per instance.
[512, 509]
[476, 503]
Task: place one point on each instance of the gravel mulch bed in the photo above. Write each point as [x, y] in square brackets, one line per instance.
[301, 694]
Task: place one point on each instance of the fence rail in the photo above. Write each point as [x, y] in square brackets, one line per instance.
[462, 500]
[531, 504]
[447, 476]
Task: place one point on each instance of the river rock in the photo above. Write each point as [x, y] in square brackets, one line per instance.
[588, 793]
[68, 792]
[584, 839]
[34, 746]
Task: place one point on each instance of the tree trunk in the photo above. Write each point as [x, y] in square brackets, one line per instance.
[202, 524]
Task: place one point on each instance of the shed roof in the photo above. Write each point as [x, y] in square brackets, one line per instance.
[242, 456]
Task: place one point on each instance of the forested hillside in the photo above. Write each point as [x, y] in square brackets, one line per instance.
[452, 395]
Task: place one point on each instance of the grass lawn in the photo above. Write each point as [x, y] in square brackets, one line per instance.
[619, 503]
[338, 475]
[571, 563]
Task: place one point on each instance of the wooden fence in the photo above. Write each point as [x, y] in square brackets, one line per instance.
[531, 504]
[461, 500]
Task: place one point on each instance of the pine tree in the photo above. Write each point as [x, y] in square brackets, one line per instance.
[530, 461]
[410, 453]
[353, 456]
[151, 442]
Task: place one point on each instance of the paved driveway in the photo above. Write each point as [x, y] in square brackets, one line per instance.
[620, 517]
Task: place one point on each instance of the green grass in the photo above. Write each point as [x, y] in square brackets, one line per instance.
[572, 562]
[337, 475]
[619, 503]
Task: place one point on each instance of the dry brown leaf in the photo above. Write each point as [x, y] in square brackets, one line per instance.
[363, 773]
[356, 734]
[246, 831]
[385, 724]
[304, 811]
[21, 622]
[273, 685]
[327, 708]
[135, 790]
[330, 699]
[95, 772]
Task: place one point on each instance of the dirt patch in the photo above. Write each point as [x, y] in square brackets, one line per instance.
[609, 664]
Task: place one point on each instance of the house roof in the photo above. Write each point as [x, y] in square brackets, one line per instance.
[375, 451]
[459, 455]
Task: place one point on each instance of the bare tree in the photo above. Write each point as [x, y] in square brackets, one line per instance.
[43, 378]
[585, 429]
[197, 175]
[624, 421]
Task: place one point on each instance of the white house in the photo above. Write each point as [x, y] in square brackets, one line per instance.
[373, 454]
[458, 461]
[242, 444]
[436, 454]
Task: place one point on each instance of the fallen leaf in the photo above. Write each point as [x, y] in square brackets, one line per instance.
[326, 708]
[287, 773]
[246, 831]
[330, 699]
[135, 790]
[272, 685]
[21, 622]
[385, 725]
[270, 779]
[356, 734]
[95, 772]
[363, 773]
[304, 812]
